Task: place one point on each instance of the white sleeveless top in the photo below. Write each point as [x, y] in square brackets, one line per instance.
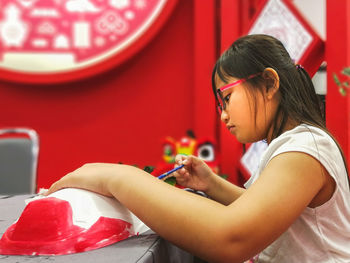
[321, 234]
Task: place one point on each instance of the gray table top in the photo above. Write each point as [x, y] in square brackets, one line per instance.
[144, 248]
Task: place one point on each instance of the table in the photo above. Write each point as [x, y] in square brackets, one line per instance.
[142, 249]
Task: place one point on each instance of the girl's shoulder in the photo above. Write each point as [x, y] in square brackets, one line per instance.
[310, 140]
[304, 138]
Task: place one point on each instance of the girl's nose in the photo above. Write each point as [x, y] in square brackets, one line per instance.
[224, 116]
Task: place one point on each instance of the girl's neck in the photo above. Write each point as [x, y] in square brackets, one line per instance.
[290, 124]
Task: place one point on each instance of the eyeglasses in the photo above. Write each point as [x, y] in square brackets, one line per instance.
[223, 100]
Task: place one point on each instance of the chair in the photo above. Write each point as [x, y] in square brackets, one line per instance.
[19, 150]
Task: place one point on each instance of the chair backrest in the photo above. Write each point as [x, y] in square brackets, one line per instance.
[19, 150]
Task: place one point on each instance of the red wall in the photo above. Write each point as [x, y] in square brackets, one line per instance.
[119, 116]
[123, 114]
[338, 57]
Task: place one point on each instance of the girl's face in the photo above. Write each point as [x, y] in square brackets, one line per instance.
[248, 115]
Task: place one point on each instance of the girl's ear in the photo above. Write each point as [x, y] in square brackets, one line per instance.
[272, 81]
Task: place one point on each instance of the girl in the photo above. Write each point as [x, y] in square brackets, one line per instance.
[296, 208]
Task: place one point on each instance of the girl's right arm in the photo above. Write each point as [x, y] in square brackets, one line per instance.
[197, 175]
[231, 233]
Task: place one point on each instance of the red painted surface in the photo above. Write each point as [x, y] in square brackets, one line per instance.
[46, 228]
[338, 57]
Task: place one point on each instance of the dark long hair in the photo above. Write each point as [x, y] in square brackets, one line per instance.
[252, 54]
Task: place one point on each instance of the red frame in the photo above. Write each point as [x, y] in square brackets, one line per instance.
[107, 64]
[237, 82]
[315, 53]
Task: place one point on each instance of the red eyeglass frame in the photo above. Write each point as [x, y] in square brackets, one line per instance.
[222, 106]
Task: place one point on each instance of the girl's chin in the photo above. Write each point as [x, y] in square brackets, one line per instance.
[245, 139]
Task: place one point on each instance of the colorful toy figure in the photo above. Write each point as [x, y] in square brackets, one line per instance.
[204, 148]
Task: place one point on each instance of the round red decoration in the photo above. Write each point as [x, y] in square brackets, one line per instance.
[54, 41]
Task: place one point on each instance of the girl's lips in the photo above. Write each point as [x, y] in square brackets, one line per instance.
[231, 127]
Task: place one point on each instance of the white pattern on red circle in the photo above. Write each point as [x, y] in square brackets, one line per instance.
[74, 33]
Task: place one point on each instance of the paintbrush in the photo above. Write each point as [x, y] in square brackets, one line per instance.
[170, 172]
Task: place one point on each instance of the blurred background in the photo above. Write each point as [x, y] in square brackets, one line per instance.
[110, 80]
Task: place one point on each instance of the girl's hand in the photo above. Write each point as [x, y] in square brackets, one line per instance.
[196, 174]
[93, 177]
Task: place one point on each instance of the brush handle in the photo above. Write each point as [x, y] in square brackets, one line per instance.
[170, 172]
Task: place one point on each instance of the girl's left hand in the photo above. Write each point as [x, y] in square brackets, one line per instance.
[93, 177]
